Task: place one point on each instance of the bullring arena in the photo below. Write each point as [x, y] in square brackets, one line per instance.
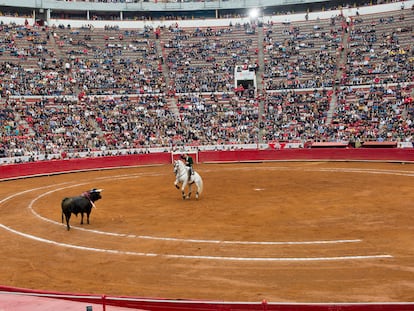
[303, 232]
[301, 126]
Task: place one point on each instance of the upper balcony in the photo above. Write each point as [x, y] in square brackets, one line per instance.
[152, 5]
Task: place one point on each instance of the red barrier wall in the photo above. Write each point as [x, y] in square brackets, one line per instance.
[331, 154]
[83, 164]
[198, 305]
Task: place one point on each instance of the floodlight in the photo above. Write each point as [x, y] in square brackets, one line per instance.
[254, 13]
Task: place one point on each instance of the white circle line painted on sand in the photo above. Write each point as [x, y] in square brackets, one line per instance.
[32, 237]
[366, 171]
[178, 239]
[29, 190]
[334, 170]
[118, 252]
[249, 242]
[404, 173]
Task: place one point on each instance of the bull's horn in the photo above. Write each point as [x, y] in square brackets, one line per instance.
[96, 190]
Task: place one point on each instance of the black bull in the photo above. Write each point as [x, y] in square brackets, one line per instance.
[81, 204]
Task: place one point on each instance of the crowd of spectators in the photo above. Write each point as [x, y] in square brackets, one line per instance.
[380, 113]
[218, 119]
[113, 89]
[381, 49]
[302, 55]
[203, 60]
[297, 116]
[65, 61]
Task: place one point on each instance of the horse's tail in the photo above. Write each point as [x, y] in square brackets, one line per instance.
[200, 186]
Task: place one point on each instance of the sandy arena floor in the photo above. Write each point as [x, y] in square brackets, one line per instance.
[285, 232]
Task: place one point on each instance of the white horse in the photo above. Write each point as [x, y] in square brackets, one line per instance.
[181, 177]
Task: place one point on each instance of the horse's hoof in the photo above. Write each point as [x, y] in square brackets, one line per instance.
[176, 186]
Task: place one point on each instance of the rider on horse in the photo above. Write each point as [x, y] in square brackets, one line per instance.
[188, 162]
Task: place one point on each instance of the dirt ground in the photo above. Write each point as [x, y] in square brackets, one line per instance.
[285, 232]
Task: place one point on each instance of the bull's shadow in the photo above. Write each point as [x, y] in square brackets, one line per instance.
[80, 204]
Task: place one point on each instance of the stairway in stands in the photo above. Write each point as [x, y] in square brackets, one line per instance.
[341, 65]
[259, 78]
[60, 55]
[171, 101]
